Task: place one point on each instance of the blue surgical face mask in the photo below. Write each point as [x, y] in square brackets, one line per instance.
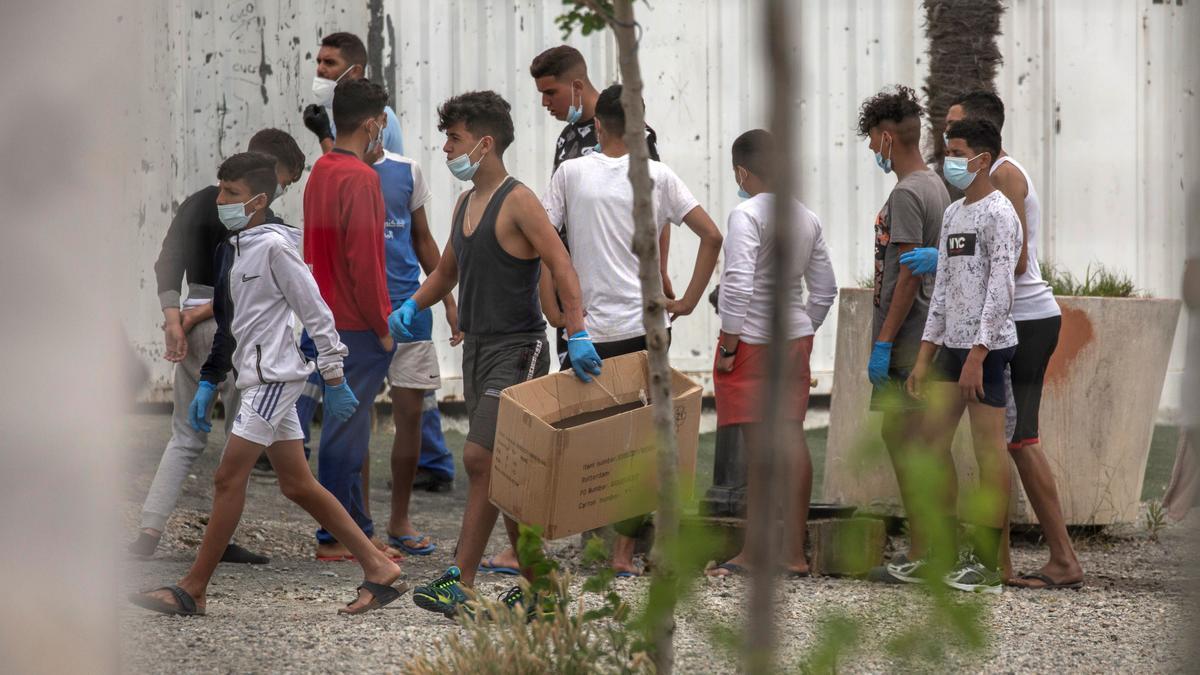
[234, 216]
[742, 194]
[575, 113]
[279, 190]
[885, 164]
[461, 166]
[955, 171]
[596, 148]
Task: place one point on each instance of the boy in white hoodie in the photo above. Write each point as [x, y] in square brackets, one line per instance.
[262, 284]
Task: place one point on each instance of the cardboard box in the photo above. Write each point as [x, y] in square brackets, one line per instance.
[602, 467]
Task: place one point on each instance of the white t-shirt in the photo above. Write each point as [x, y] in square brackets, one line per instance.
[591, 197]
[1033, 298]
[747, 280]
[977, 264]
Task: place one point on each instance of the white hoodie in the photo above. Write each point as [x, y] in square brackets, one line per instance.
[262, 285]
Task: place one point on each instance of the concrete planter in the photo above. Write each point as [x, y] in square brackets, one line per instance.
[1098, 410]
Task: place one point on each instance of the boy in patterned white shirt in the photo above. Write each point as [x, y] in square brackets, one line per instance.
[970, 337]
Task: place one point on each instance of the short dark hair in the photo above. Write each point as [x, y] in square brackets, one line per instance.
[280, 145]
[355, 101]
[351, 47]
[752, 150]
[485, 113]
[557, 61]
[979, 134]
[257, 169]
[896, 105]
[609, 110]
[984, 105]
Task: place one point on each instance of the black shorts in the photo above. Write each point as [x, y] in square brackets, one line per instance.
[1038, 340]
[492, 364]
[948, 364]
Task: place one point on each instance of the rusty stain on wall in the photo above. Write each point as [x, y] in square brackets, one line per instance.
[1076, 334]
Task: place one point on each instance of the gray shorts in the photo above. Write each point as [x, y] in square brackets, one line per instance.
[492, 364]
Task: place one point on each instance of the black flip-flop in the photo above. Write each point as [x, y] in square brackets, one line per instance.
[186, 603]
[1049, 584]
[381, 596]
[734, 569]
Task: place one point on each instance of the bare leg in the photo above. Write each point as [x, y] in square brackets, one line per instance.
[932, 475]
[799, 468]
[799, 495]
[406, 453]
[1038, 479]
[298, 484]
[901, 428]
[229, 497]
[479, 517]
[622, 554]
[995, 489]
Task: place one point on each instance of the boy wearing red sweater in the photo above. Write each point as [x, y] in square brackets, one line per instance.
[343, 246]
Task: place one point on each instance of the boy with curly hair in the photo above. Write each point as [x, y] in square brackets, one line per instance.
[911, 218]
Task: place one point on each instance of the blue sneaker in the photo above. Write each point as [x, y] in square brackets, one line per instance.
[444, 596]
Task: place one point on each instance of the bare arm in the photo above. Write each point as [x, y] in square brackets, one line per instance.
[698, 221]
[549, 300]
[440, 281]
[1011, 183]
[664, 254]
[427, 255]
[531, 219]
[903, 296]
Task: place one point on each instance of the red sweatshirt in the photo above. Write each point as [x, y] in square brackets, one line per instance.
[343, 241]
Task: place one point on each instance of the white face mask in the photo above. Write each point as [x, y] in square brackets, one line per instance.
[322, 88]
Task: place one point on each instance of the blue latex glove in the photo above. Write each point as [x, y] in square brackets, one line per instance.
[340, 402]
[201, 402]
[920, 261]
[584, 359]
[400, 322]
[877, 367]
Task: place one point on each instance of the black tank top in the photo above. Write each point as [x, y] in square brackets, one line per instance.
[497, 292]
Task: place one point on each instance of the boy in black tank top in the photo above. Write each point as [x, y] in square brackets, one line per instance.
[499, 240]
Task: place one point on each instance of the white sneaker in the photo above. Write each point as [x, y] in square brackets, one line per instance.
[972, 576]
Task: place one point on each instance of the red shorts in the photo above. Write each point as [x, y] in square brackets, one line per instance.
[739, 392]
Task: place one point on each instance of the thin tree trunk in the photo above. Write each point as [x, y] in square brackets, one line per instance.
[645, 245]
[769, 461]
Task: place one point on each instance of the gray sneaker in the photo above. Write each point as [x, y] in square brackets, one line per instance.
[972, 576]
[908, 571]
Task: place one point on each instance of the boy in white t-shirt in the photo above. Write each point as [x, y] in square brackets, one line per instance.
[593, 193]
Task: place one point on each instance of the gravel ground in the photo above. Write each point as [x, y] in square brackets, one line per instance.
[281, 617]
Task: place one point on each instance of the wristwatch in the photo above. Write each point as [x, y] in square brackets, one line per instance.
[726, 353]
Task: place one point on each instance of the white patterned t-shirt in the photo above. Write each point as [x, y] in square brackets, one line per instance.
[973, 291]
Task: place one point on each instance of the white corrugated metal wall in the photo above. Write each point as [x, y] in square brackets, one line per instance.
[1093, 87]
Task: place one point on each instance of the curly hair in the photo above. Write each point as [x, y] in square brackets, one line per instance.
[894, 105]
[485, 113]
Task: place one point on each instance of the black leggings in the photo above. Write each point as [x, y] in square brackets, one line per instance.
[1038, 340]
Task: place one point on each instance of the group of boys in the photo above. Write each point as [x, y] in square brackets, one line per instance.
[963, 320]
[518, 260]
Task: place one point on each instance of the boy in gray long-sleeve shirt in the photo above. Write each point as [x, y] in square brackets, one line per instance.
[189, 250]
